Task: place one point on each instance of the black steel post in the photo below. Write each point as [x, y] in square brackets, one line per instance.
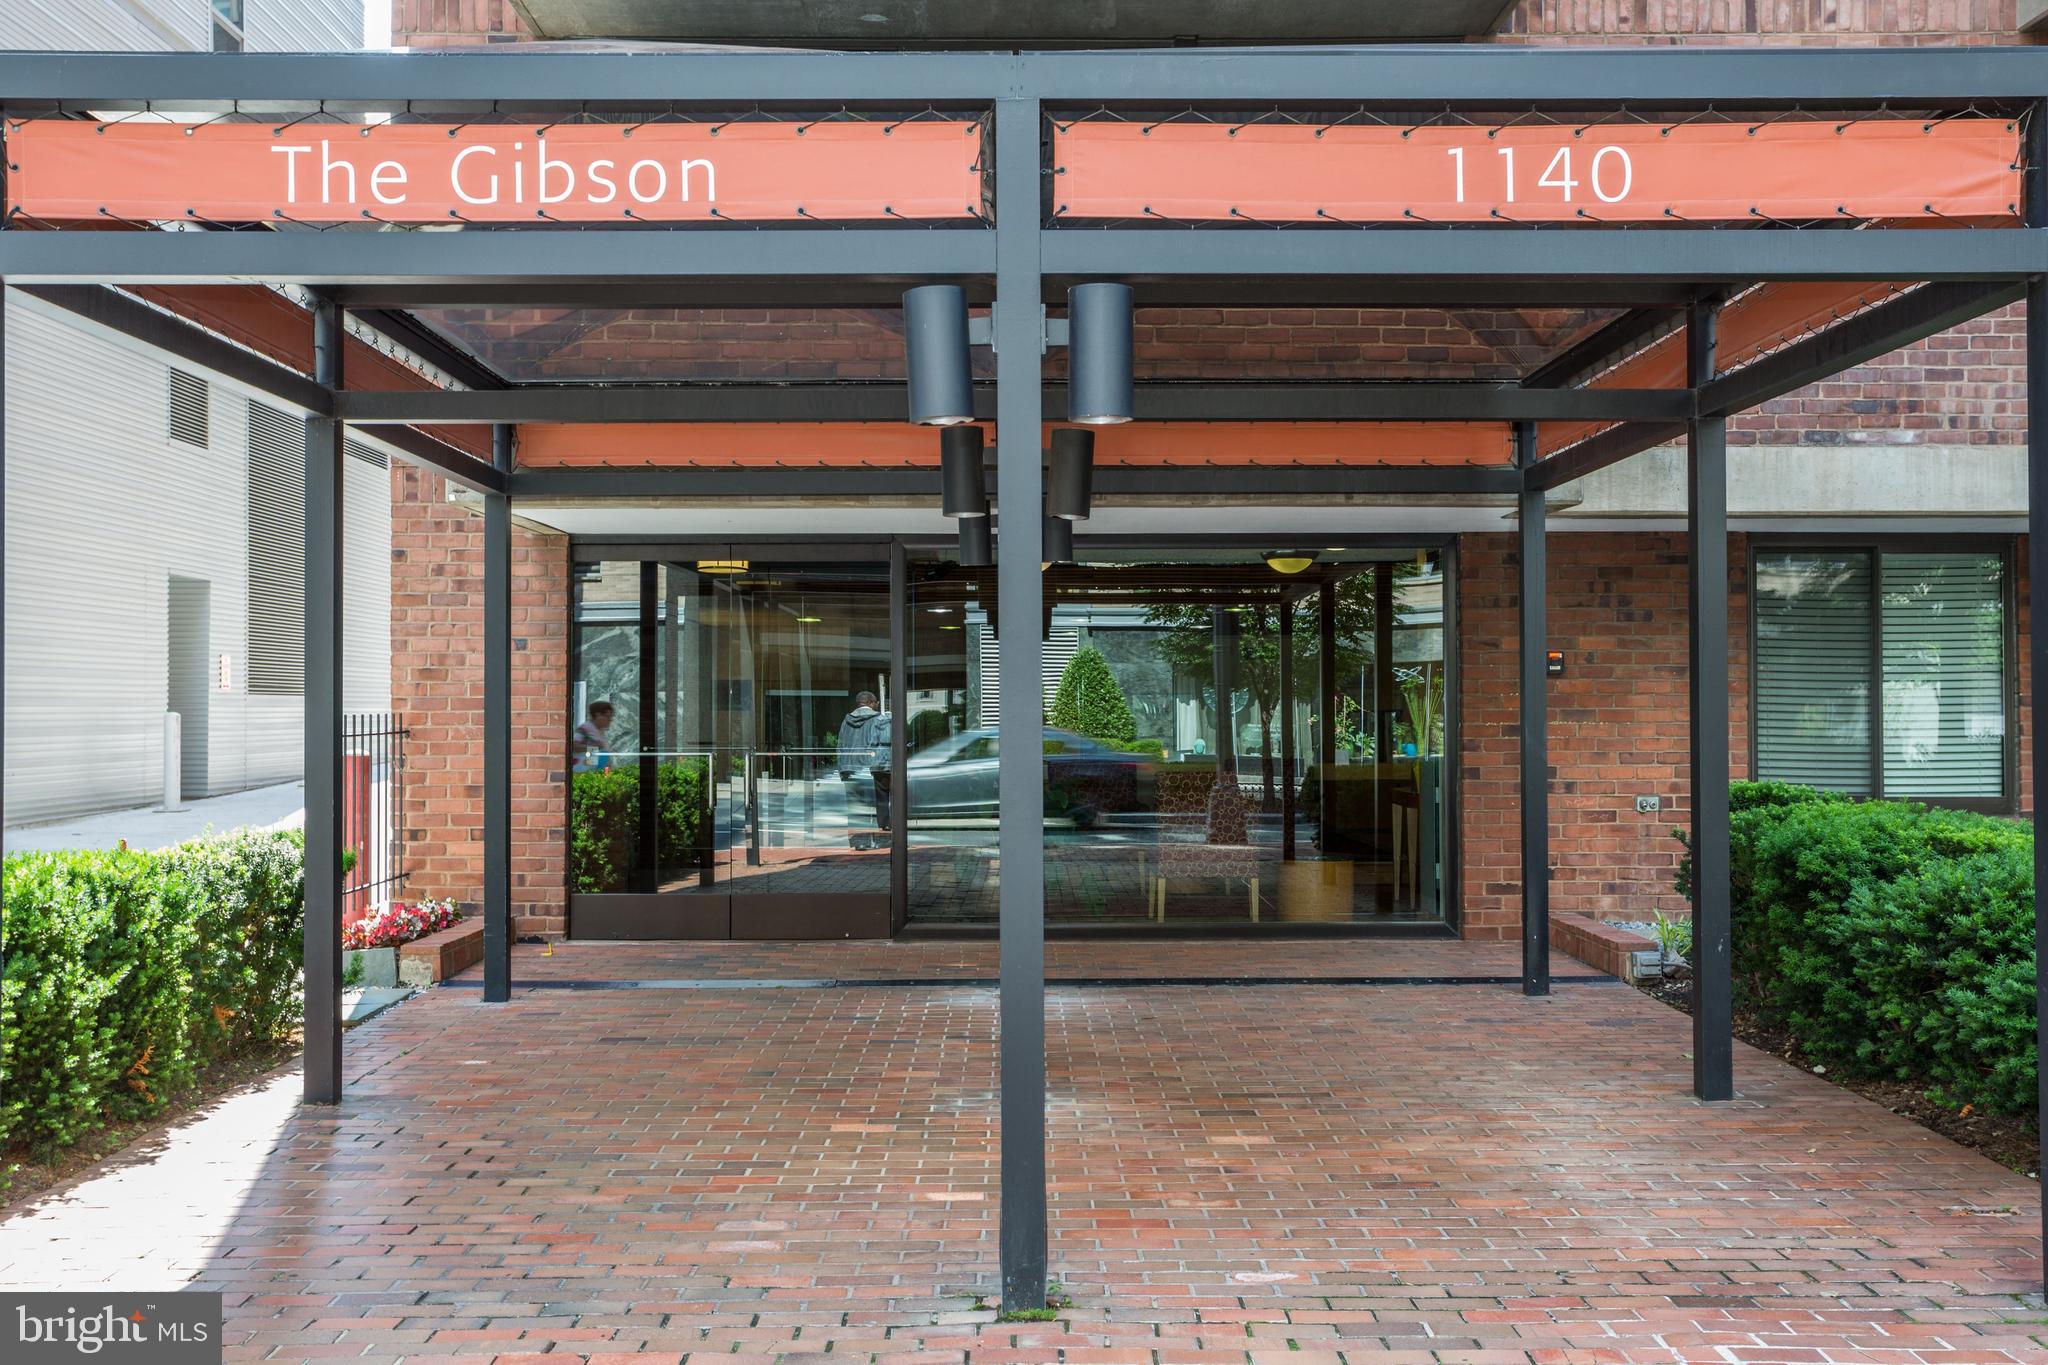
[1287, 778]
[647, 864]
[1713, 1036]
[2037, 574]
[497, 646]
[323, 723]
[898, 706]
[1020, 350]
[1535, 715]
[2037, 645]
[1326, 709]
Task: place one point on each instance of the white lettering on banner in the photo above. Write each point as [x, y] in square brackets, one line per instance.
[555, 180]
[1557, 175]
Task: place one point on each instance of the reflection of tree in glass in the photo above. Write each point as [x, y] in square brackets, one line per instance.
[1188, 642]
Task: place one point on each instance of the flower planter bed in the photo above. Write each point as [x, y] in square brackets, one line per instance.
[441, 955]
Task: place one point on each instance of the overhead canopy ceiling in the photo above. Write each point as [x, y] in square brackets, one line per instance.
[873, 24]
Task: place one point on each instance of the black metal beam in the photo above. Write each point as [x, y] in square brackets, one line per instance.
[497, 727]
[854, 291]
[885, 259]
[1600, 450]
[888, 259]
[323, 723]
[1535, 725]
[429, 345]
[1713, 1029]
[186, 340]
[1603, 348]
[1875, 332]
[637, 482]
[1693, 255]
[1020, 595]
[1474, 76]
[456, 466]
[867, 401]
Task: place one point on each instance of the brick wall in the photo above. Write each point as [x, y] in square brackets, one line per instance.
[454, 23]
[437, 682]
[1769, 22]
[1618, 721]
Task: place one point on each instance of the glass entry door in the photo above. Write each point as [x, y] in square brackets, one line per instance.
[729, 750]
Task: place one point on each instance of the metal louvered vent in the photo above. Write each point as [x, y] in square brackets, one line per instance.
[361, 450]
[189, 402]
[277, 553]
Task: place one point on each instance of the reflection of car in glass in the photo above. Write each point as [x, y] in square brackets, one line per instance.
[956, 776]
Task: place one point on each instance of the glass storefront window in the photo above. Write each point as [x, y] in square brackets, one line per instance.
[1202, 765]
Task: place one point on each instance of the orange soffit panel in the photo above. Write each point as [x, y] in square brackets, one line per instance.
[896, 445]
[418, 173]
[1717, 172]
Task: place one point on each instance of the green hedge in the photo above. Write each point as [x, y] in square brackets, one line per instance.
[1891, 939]
[125, 972]
[604, 822]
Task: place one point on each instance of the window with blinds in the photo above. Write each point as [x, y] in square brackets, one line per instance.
[277, 553]
[1944, 675]
[1882, 671]
[1813, 670]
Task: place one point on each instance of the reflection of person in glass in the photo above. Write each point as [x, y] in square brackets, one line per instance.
[589, 744]
[862, 736]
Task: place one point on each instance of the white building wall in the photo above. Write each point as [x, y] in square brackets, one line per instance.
[103, 507]
[178, 25]
[108, 25]
[302, 25]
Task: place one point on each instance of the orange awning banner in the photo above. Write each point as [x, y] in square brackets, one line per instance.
[427, 173]
[1595, 173]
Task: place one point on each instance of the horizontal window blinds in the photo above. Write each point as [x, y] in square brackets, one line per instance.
[1944, 675]
[1813, 669]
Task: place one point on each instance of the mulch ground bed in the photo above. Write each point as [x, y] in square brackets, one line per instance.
[2011, 1142]
[23, 1178]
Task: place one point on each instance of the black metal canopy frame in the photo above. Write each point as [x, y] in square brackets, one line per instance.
[1660, 277]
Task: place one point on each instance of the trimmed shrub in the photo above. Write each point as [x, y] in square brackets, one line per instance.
[1891, 939]
[126, 971]
[1089, 701]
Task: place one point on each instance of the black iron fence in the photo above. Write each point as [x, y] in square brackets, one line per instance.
[372, 809]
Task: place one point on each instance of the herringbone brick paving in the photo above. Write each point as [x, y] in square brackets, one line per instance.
[1300, 1174]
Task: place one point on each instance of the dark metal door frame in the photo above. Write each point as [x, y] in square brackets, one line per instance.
[724, 913]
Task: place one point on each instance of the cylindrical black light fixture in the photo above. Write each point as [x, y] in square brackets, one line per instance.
[935, 350]
[1058, 542]
[960, 471]
[1070, 473]
[977, 545]
[1099, 354]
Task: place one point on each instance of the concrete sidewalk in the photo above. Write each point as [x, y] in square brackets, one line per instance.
[278, 807]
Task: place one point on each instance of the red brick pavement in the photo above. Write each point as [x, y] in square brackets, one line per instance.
[1308, 1174]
